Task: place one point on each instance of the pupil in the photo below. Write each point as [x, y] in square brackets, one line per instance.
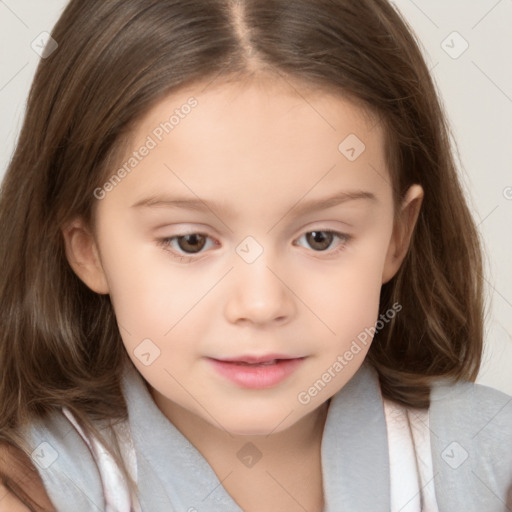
[191, 241]
[320, 237]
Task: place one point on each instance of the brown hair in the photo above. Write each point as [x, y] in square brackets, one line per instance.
[59, 341]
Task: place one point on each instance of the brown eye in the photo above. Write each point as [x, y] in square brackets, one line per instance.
[325, 241]
[187, 247]
[320, 240]
[191, 243]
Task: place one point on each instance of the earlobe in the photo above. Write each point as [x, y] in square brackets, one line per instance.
[83, 256]
[402, 232]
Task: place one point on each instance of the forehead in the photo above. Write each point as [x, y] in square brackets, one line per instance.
[271, 140]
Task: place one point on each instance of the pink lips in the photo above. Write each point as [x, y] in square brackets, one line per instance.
[257, 372]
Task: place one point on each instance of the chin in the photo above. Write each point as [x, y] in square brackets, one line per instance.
[257, 424]
[251, 430]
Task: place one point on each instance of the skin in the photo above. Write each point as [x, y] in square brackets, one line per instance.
[261, 150]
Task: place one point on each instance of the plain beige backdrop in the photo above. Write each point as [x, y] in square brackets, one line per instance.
[468, 46]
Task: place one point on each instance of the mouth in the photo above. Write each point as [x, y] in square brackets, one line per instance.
[257, 372]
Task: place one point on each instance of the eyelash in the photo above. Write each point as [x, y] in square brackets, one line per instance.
[166, 243]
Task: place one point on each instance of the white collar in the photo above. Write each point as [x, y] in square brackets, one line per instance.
[410, 459]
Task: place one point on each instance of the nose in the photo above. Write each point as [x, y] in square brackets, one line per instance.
[258, 294]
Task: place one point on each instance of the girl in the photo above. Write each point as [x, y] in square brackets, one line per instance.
[239, 272]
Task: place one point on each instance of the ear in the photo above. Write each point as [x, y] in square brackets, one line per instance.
[402, 232]
[83, 255]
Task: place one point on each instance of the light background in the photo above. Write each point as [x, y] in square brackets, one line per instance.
[475, 87]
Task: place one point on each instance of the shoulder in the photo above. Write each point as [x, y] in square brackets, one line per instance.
[471, 440]
[21, 488]
[481, 408]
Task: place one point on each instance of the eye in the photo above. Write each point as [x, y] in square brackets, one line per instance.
[183, 245]
[321, 240]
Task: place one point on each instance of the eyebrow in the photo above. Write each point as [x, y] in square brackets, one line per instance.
[300, 208]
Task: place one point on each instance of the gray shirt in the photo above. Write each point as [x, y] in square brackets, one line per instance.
[471, 441]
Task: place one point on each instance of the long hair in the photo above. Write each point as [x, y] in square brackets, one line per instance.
[59, 341]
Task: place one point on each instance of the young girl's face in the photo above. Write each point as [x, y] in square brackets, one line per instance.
[260, 225]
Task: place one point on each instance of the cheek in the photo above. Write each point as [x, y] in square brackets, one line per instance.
[157, 319]
[151, 302]
[149, 294]
[351, 307]
[345, 294]
[162, 308]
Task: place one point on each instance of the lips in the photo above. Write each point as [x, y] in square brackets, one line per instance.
[257, 372]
